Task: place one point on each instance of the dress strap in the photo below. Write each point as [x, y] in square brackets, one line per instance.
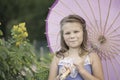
[87, 60]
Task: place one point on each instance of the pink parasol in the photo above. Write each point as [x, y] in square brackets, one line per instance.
[103, 26]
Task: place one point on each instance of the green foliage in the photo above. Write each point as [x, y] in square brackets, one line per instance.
[18, 61]
[45, 61]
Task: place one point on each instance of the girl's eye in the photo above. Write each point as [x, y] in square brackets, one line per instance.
[67, 33]
[76, 31]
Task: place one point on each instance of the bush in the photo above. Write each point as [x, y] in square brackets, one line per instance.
[18, 60]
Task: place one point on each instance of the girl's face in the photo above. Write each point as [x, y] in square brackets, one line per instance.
[73, 34]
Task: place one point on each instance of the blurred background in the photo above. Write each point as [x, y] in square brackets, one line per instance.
[33, 13]
[22, 56]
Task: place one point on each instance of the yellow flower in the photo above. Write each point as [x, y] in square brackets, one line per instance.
[19, 33]
[25, 34]
[22, 24]
[23, 28]
[18, 43]
[20, 30]
[14, 29]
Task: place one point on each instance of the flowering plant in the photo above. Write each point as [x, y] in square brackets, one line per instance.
[19, 33]
[18, 60]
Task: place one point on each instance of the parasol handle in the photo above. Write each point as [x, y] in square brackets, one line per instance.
[65, 74]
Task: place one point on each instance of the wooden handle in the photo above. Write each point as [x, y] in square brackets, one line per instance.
[65, 74]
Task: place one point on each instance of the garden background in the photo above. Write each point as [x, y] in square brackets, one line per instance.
[23, 22]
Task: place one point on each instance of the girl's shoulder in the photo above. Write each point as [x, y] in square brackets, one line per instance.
[93, 56]
[58, 57]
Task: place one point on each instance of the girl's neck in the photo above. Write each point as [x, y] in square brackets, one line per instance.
[75, 51]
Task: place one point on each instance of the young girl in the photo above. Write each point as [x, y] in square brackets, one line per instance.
[73, 61]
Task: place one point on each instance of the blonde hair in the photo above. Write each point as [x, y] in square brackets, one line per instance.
[68, 19]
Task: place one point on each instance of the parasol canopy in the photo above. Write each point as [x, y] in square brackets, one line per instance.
[103, 25]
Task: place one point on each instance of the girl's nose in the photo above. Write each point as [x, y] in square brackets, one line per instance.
[72, 35]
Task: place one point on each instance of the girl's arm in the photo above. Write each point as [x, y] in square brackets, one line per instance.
[53, 69]
[96, 69]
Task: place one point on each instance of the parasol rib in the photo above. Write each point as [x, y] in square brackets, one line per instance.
[114, 48]
[51, 22]
[117, 60]
[57, 12]
[108, 30]
[107, 17]
[100, 15]
[112, 36]
[66, 6]
[93, 16]
[114, 40]
[107, 70]
[115, 70]
[86, 16]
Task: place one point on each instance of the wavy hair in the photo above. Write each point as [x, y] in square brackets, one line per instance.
[72, 19]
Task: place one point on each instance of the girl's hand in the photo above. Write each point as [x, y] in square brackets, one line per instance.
[64, 72]
[79, 63]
